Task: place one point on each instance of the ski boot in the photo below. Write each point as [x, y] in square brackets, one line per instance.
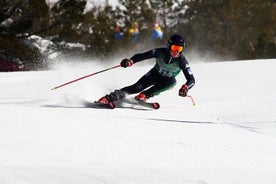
[141, 97]
[104, 100]
[110, 98]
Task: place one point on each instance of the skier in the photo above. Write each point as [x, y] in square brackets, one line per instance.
[169, 62]
[157, 32]
[134, 32]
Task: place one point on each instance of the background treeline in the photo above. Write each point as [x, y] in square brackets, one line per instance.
[231, 29]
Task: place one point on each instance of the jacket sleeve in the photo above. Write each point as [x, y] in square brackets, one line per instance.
[143, 56]
[186, 69]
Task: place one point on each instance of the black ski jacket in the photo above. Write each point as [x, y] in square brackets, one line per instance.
[166, 65]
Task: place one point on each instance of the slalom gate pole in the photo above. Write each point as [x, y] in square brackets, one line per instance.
[192, 99]
[85, 77]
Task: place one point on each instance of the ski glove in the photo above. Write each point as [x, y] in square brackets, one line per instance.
[126, 62]
[183, 91]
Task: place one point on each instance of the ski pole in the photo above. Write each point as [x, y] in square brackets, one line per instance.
[192, 99]
[85, 77]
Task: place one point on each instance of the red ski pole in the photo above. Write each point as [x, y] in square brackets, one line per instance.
[190, 96]
[85, 77]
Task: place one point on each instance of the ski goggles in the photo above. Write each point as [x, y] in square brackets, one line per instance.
[177, 48]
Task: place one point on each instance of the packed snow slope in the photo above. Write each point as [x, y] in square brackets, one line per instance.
[228, 137]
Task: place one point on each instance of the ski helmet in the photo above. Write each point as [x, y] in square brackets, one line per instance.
[176, 39]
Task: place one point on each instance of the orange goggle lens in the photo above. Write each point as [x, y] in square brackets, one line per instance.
[177, 48]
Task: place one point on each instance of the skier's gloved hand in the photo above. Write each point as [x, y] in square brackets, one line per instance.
[126, 62]
[183, 91]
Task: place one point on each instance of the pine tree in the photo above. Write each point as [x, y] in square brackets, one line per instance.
[230, 28]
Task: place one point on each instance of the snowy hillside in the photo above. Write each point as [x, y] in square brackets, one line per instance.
[228, 137]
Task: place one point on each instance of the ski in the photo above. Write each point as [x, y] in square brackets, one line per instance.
[110, 105]
[153, 105]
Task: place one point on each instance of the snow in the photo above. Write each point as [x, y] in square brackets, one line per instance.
[229, 136]
[91, 3]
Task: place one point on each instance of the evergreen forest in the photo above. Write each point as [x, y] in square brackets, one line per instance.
[229, 29]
